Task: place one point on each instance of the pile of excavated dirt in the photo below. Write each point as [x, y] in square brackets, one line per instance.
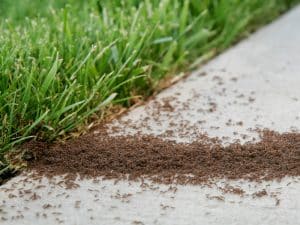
[273, 157]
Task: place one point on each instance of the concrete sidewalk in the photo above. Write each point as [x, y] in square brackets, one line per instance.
[253, 85]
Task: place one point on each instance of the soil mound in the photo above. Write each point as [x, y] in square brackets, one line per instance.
[274, 156]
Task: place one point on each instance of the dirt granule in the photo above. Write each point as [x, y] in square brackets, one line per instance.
[260, 194]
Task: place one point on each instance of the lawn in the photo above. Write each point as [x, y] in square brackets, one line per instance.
[64, 63]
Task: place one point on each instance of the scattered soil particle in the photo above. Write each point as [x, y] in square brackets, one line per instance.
[35, 197]
[216, 197]
[240, 123]
[11, 196]
[260, 194]
[234, 79]
[213, 107]
[250, 99]
[134, 157]
[229, 122]
[165, 207]
[77, 204]
[228, 189]
[123, 197]
[167, 104]
[202, 74]
[276, 198]
[136, 222]
[47, 206]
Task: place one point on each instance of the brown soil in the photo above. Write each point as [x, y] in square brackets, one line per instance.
[260, 194]
[134, 157]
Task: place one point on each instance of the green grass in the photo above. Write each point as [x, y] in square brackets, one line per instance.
[65, 61]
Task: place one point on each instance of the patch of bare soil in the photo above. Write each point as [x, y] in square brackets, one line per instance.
[133, 157]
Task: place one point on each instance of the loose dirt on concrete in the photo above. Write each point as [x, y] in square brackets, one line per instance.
[253, 86]
[111, 151]
[133, 157]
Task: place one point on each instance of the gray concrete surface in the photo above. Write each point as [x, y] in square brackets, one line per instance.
[256, 82]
